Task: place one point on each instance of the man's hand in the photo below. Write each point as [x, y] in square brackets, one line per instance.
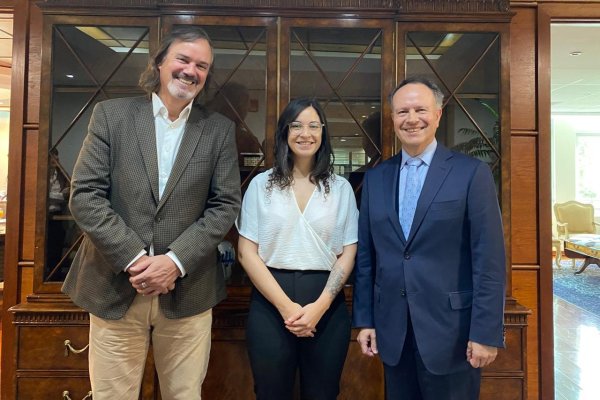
[154, 275]
[480, 355]
[141, 263]
[368, 341]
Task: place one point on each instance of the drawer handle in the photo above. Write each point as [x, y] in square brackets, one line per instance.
[69, 348]
[66, 395]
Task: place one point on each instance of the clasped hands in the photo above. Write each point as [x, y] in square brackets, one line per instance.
[302, 321]
[153, 275]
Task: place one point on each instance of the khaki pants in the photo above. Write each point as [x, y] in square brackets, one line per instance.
[118, 350]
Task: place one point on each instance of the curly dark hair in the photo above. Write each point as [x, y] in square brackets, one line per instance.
[283, 165]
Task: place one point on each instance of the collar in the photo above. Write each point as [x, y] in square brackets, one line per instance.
[426, 156]
[158, 108]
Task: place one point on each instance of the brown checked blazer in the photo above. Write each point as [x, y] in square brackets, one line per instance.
[115, 202]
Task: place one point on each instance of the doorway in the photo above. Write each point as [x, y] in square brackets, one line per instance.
[575, 162]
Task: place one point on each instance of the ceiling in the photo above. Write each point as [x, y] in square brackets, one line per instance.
[575, 66]
[575, 78]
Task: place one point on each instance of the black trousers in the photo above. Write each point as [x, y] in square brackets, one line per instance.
[410, 380]
[276, 355]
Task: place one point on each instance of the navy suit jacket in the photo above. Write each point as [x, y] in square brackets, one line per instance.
[450, 271]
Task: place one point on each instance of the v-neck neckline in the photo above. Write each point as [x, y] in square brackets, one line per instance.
[303, 211]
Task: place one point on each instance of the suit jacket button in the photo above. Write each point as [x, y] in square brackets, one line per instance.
[402, 292]
[157, 219]
[406, 256]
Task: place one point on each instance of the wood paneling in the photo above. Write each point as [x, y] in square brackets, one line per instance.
[25, 282]
[524, 200]
[34, 67]
[525, 290]
[29, 200]
[522, 69]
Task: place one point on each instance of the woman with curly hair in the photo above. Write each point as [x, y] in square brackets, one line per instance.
[298, 232]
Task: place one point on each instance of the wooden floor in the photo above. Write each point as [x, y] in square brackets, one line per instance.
[576, 352]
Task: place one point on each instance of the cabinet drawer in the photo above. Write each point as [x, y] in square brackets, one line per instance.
[52, 388]
[43, 348]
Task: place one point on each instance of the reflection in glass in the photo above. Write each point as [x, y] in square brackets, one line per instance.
[238, 89]
[341, 67]
[466, 66]
[89, 64]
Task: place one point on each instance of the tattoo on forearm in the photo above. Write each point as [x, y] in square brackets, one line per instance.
[336, 280]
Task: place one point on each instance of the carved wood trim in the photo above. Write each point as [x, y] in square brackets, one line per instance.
[401, 6]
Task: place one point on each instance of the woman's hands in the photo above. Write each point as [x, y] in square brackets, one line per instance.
[304, 322]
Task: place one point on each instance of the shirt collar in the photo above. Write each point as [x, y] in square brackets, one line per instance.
[158, 108]
[426, 156]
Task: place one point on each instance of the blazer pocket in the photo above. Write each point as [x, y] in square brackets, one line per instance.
[461, 300]
[446, 209]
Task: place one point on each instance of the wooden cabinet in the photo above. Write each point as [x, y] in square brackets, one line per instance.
[348, 56]
[51, 347]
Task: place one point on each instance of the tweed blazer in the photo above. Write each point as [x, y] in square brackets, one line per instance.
[115, 201]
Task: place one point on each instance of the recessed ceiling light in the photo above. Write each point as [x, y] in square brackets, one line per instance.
[342, 140]
[576, 53]
[70, 76]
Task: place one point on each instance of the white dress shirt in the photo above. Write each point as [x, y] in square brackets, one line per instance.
[293, 240]
[168, 139]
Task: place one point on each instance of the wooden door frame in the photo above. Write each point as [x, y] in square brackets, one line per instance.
[547, 14]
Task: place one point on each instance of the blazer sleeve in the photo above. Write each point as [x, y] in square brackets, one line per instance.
[202, 237]
[488, 260]
[89, 202]
[364, 275]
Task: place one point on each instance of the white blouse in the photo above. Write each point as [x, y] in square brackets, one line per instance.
[290, 239]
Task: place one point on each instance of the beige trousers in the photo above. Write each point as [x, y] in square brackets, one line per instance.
[118, 350]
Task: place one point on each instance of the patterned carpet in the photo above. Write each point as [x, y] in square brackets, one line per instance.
[582, 290]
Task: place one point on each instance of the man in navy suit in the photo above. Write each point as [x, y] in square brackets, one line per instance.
[430, 274]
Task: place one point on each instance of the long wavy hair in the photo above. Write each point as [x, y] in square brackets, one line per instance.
[322, 171]
[150, 78]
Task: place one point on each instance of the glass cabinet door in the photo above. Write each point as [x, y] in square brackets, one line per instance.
[89, 63]
[343, 67]
[466, 66]
[241, 86]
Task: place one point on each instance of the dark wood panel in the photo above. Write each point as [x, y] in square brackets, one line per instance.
[509, 358]
[36, 388]
[525, 290]
[502, 389]
[524, 200]
[229, 375]
[46, 349]
[29, 199]
[522, 69]
[34, 66]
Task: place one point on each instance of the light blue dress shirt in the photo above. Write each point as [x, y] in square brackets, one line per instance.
[426, 156]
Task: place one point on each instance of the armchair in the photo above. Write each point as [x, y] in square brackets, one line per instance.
[573, 217]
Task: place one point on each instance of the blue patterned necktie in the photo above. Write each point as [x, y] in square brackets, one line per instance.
[412, 190]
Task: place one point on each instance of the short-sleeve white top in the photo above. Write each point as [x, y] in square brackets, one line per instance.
[290, 239]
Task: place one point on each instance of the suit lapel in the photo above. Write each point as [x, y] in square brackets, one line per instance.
[191, 136]
[146, 135]
[390, 180]
[438, 171]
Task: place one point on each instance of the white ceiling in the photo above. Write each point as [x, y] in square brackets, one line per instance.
[575, 79]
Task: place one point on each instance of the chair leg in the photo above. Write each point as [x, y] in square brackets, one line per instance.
[556, 245]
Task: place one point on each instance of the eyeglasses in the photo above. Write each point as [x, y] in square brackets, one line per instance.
[313, 127]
